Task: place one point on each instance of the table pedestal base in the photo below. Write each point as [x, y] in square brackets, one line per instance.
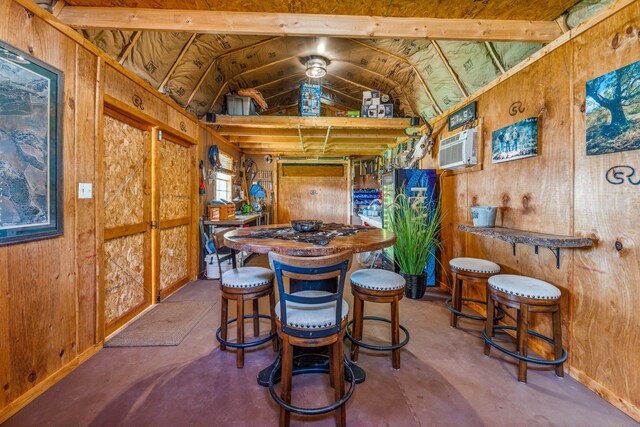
[308, 364]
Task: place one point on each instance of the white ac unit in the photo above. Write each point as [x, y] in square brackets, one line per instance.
[459, 150]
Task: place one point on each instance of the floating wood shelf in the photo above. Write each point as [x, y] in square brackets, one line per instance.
[553, 242]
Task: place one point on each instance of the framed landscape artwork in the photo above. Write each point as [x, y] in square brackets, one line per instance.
[515, 141]
[613, 111]
[31, 96]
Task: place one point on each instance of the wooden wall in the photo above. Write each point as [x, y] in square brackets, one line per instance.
[563, 191]
[52, 304]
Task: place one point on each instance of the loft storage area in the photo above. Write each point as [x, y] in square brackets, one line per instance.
[264, 213]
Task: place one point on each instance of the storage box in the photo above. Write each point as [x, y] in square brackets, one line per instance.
[240, 106]
[353, 113]
[372, 112]
[214, 213]
[367, 98]
[381, 111]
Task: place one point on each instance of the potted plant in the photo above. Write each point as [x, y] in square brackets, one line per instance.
[416, 225]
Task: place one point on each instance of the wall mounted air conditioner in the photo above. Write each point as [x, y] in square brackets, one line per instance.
[459, 150]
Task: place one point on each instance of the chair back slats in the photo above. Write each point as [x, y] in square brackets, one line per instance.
[311, 268]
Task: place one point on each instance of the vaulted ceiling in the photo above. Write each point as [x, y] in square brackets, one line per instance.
[425, 77]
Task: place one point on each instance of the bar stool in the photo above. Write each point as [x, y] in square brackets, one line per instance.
[380, 286]
[311, 319]
[244, 284]
[526, 295]
[469, 270]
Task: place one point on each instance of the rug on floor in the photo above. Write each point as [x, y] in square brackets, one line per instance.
[167, 324]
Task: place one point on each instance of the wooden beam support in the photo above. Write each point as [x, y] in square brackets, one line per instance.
[494, 56]
[454, 75]
[291, 24]
[248, 134]
[127, 50]
[311, 122]
[309, 139]
[326, 139]
[177, 61]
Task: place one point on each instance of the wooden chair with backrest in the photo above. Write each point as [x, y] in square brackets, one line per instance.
[240, 285]
[312, 318]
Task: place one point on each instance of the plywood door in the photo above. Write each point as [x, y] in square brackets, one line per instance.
[127, 215]
[173, 186]
[313, 191]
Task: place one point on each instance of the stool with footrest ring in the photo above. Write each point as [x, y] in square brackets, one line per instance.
[380, 286]
[242, 284]
[469, 270]
[526, 295]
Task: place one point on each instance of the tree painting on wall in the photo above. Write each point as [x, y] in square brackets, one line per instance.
[613, 111]
[30, 147]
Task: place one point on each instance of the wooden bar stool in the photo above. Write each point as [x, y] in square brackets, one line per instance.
[311, 319]
[380, 286]
[526, 295]
[469, 270]
[244, 284]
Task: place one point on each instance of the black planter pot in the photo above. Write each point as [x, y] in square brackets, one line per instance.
[416, 285]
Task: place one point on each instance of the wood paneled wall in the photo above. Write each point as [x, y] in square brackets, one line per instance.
[51, 307]
[563, 191]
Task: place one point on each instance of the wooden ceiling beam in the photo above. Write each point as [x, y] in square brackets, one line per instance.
[127, 50]
[292, 24]
[309, 139]
[177, 61]
[454, 75]
[494, 56]
[311, 122]
[335, 133]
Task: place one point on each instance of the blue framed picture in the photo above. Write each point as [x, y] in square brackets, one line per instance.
[516, 141]
[31, 102]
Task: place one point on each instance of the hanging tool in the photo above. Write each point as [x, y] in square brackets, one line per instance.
[202, 189]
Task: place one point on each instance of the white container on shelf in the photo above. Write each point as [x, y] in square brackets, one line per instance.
[484, 216]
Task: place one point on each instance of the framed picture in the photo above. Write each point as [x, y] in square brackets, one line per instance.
[613, 108]
[466, 114]
[31, 104]
[515, 141]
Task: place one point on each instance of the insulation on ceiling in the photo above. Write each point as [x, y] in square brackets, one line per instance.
[113, 43]
[584, 10]
[512, 53]
[472, 63]
[154, 53]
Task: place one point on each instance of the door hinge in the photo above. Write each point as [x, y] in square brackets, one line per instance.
[154, 224]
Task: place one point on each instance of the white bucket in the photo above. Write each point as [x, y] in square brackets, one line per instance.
[484, 216]
[212, 266]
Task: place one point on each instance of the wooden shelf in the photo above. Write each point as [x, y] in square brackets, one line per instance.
[553, 242]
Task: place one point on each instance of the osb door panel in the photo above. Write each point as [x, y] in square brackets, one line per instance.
[313, 191]
[173, 181]
[606, 277]
[127, 212]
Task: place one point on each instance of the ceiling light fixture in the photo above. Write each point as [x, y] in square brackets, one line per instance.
[316, 67]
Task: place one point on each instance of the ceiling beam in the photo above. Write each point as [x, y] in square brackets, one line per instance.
[127, 50]
[494, 56]
[291, 24]
[215, 61]
[310, 122]
[176, 62]
[454, 75]
[248, 133]
[308, 140]
[311, 146]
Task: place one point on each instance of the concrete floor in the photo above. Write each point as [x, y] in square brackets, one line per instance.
[445, 379]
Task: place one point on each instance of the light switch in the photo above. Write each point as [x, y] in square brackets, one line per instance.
[85, 190]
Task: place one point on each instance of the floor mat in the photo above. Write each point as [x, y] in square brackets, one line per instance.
[165, 325]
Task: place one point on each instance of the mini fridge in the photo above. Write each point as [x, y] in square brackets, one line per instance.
[412, 181]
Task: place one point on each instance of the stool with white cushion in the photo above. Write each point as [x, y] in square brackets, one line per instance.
[526, 295]
[244, 284]
[469, 270]
[381, 286]
[312, 319]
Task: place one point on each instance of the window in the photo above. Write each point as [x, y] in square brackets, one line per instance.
[226, 162]
[223, 186]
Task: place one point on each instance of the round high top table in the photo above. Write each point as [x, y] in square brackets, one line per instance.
[364, 241]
